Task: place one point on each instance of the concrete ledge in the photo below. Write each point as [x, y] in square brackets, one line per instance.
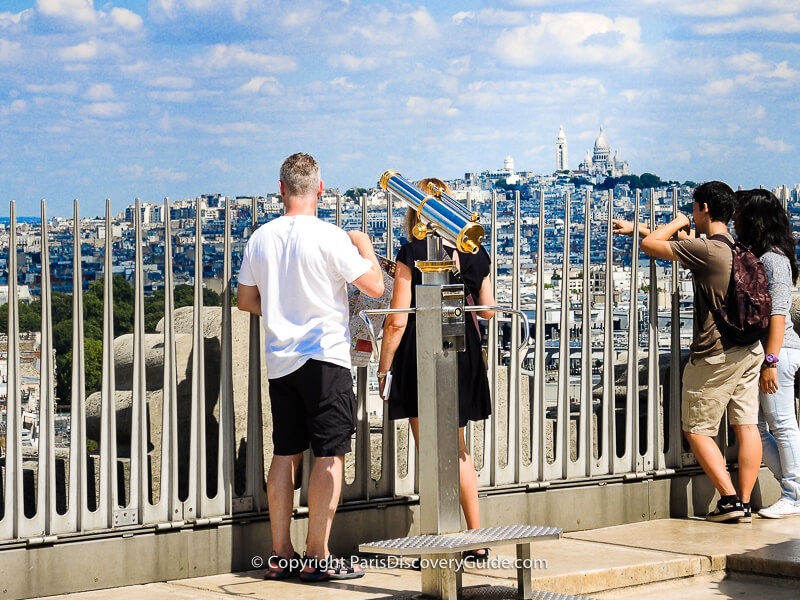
[781, 559]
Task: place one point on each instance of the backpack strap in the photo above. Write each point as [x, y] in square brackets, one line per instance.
[721, 237]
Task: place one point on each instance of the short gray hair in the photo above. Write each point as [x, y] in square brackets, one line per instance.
[300, 175]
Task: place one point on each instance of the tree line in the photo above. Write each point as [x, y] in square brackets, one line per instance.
[30, 320]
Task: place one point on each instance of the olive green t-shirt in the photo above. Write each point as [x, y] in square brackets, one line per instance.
[710, 262]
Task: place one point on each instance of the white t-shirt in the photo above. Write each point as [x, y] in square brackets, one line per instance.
[301, 266]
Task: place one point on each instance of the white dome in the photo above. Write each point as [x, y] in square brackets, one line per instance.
[561, 136]
[601, 143]
[508, 163]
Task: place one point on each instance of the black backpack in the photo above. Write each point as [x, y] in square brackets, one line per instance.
[743, 317]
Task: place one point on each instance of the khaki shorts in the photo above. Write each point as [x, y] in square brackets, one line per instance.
[714, 383]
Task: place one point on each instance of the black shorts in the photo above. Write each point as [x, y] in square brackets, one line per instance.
[315, 406]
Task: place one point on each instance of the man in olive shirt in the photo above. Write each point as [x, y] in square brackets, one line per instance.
[720, 374]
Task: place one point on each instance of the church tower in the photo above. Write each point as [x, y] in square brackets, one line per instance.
[561, 151]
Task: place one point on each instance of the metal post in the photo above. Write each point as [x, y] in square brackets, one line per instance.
[513, 398]
[437, 389]
[675, 442]
[587, 410]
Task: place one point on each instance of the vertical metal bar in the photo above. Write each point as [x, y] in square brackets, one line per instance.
[675, 440]
[78, 463]
[558, 468]
[490, 452]
[226, 450]
[607, 450]
[388, 483]
[338, 210]
[586, 452]
[654, 458]
[170, 507]
[629, 460]
[104, 515]
[13, 488]
[46, 479]
[359, 489]
[784, 197]
[389, 226]
[193, 507]
[514, 401]
[255, 487]
[140, 480]
[539, 408]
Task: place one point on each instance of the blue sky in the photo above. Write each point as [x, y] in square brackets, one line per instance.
[155, 98]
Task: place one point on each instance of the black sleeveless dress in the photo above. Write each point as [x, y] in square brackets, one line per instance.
[474, 400]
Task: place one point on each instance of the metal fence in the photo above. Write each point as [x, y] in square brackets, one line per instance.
[537, 434]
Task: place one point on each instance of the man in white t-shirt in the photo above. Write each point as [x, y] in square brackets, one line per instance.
[294, 275]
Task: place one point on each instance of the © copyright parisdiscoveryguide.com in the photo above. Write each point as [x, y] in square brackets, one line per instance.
[400, 562]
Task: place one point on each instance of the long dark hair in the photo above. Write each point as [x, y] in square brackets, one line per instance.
[763, 225]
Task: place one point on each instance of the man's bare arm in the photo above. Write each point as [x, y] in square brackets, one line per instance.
[371, 282]
[657, 243]
[248, 299]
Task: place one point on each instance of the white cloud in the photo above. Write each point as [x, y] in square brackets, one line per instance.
[719, 87]
[267, 86]
[7, 19]
[719, 8]
[778, 146]
[134, 171]
[436, 107]
[9, 51]
[74, 11]
[122, 18]
[168, 174]
[172, 83]
[106, 110]
[173, 96]
[100, 92]
[759, 113]
[220, 164]
[88, 51]
[82, 13]
[580, 38]
[68, 88]
[492, 17]
[343, 83]
[14, 108]
[778, 23]
[748, 61]
[221, 56]
[348, 62]
[162, 11]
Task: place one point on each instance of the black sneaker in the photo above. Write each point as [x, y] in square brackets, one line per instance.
[726, 511]
[748, 513]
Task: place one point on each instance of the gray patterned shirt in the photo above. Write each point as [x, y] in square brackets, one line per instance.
[779, 274]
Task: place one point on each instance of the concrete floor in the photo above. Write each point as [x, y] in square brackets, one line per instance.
[683, 559]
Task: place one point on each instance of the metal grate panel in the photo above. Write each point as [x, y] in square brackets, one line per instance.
[463, 540]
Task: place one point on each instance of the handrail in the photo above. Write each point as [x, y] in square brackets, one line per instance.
[364, 315]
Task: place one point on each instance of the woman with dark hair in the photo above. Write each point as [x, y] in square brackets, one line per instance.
[399, 351]
[763, 225]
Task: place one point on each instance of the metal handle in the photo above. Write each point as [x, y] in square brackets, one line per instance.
[364, 315]
[526, 338]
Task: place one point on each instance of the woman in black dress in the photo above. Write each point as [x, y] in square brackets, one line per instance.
[399, 351]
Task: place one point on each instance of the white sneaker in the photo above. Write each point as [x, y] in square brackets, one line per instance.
[782, 508]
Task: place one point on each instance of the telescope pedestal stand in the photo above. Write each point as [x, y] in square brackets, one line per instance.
[440, 334]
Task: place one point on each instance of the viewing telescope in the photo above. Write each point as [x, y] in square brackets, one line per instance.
[436, 211]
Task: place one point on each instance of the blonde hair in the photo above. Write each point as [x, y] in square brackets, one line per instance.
[411, 214]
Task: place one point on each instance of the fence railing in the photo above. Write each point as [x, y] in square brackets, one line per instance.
[587, 428]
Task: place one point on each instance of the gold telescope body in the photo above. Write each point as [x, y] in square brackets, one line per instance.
[437, 211]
